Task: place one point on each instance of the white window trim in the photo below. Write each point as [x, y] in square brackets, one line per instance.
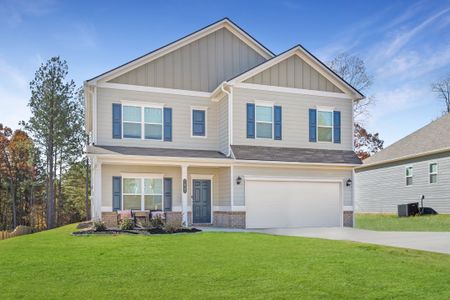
[433, 173]
[265, 104]
[325, 109]
[142, 106]
[141, 177]
[412, 176]
[205, 109]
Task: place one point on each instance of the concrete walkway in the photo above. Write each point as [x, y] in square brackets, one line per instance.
[427, 241]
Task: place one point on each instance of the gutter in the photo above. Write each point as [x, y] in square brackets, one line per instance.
[230, 116]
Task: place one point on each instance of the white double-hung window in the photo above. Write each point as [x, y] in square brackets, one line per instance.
[142, 122]
[132, 122]
[142, 193]
[433, 172]
[324, 125]
[409, 175]
[264, 121]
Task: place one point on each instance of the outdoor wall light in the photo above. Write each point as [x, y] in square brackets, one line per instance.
[349, 182]
[238, 180]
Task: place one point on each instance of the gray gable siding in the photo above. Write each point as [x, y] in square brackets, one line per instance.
[294, 72]
[200, 66]
[382, 188]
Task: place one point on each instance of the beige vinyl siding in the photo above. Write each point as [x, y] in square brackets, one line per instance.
[223, 124]
[181, 119]
[295, 119]
[298, 172]
[221, 182]
[294, 72]
[380, 189]
[201, 65]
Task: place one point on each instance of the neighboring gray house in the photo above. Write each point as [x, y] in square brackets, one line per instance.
[214, 128]
[418, 164]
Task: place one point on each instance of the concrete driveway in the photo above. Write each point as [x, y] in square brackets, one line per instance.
[428, 241]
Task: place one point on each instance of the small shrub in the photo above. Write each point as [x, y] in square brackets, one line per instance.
[156, 222]
[145, 223]
[127, 224]
[172, 227]
[99, 226]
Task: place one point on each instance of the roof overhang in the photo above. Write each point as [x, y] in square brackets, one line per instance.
[406, 157]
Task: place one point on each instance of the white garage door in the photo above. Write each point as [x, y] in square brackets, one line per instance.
[279, 204]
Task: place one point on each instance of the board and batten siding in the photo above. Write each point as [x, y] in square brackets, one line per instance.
[181, 119]
[221, 182]
[294, 72]
[380, 189]
[289, 172]
[295, 119]
[200, 66]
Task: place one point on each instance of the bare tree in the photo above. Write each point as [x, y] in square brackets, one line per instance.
[353, 70]
[442, 89]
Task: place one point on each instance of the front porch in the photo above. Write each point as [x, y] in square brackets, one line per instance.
[188, 194]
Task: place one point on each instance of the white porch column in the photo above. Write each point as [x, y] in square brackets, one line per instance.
[97, 199]
[184, 195]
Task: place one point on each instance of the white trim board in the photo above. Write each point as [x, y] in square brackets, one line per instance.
[149, 89]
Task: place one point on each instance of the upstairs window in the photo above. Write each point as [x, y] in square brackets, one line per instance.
[153, 123]
[142, 122]
[264, 121]
[409, 175]
[433, 172]
[132, 118]
[324, 126]
[198, 122]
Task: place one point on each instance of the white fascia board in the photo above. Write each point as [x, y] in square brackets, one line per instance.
[183, 42]
[263, 163]
[291, 179]
[279, 89]
[139, 88]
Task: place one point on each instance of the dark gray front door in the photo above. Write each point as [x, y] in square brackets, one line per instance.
[201, 201]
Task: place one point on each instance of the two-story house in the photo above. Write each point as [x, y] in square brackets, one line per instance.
[216, 129]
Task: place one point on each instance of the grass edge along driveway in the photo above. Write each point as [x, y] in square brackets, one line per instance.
[55, 265]
[391, 222]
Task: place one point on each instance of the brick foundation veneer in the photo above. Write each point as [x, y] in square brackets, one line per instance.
[173, 217]
[348, 219]
[230, 219]
[110, 219]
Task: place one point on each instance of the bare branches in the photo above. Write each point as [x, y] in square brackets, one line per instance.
[442, 90]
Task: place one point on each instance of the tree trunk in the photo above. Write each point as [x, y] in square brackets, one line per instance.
[51, 190]
[13, 201]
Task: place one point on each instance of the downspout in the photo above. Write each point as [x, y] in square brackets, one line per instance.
[230, 117]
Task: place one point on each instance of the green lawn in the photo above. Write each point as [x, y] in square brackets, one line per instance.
[389, 222]
[56, 265]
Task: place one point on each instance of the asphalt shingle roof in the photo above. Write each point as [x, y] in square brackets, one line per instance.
[301, 155]
[433, 137]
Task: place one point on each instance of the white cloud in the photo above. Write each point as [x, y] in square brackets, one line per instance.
[13, 12]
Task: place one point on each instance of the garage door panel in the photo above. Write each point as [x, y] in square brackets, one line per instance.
[273, 204]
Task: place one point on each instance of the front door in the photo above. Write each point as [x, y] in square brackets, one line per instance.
[201, 201]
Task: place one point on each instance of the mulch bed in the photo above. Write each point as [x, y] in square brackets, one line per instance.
[136, 231]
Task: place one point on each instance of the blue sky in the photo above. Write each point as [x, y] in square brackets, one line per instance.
[405, 44]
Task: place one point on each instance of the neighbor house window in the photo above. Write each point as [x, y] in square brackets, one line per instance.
[409, 175]
[264, 121]
[153, 123]
[433, 172]
[142, 193]
[324, 126]
[198, 122]
[146, 122]
[132, 118]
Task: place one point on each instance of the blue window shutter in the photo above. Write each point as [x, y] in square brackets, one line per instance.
[312, 125]
[117, 121]
[167, 124]
[198, 122]
[117, 193]
[250, 120]
[167, 194]
[337, 127]
[277, 122]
